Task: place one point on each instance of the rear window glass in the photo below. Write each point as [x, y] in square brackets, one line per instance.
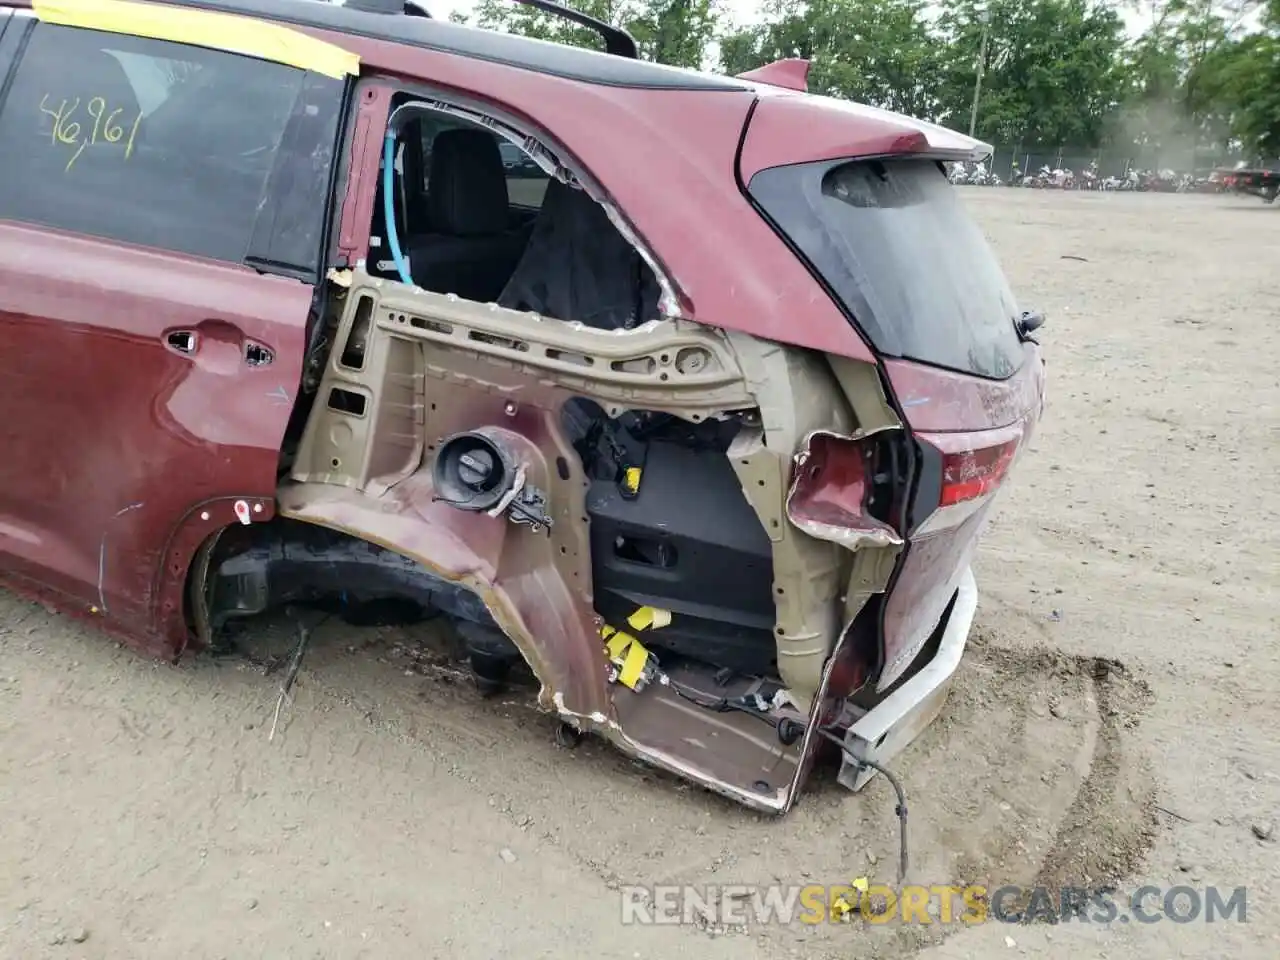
[893, 242]
[168, 145]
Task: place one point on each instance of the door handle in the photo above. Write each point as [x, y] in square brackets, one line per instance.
[221, 344]
[257, 354]
[183, 341]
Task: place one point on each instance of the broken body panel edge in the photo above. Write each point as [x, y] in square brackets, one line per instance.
[434, 366]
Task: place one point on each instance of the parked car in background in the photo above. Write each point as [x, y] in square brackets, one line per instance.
[1261, 182]
[518, 163]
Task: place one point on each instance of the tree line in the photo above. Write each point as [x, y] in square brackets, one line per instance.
[1203, 75]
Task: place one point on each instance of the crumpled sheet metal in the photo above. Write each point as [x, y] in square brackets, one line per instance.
[828, 488]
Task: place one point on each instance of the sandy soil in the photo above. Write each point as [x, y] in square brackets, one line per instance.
[1113, 722]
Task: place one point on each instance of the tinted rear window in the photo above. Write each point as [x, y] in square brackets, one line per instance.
[893, 242]
[169, 145]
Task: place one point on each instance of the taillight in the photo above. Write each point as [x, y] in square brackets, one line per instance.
[962, 471]
[969, 474]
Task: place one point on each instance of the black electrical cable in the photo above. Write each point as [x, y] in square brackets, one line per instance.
[718, 704]
[460, 502]
[900, 810]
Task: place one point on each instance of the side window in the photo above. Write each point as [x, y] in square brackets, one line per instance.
[526, 181]
[170, 146]
[473, 215]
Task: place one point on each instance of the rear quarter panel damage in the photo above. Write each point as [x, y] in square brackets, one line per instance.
[952, 413]
[729, 268]
[435, 366]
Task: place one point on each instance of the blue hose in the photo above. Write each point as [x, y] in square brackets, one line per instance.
[389, 207]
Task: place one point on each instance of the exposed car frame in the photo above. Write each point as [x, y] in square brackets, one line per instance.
[843, 455]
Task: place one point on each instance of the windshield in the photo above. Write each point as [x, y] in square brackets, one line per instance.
[893, 242]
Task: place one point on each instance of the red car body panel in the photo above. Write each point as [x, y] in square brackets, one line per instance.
[154, 444]
[103, 417]
[729, 267]
[951, 412]
[790, 128]
[792, 73]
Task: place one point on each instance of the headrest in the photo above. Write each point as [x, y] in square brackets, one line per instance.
[467, 186]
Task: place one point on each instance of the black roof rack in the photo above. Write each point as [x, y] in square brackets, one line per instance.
[616, 40]
[493, 46]
[410, 8]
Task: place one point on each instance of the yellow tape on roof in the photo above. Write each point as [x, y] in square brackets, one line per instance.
[203, 28]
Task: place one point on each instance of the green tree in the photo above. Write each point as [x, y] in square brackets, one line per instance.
[530, 22]
[875, 51]
[1053, 73]
[1250, 82]
[1183, 71]
[675, 32]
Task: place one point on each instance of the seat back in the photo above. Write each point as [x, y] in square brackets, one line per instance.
[467, 185]
[578, 267]
[470, 249]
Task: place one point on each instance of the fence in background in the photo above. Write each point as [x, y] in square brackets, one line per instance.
[1111, 163]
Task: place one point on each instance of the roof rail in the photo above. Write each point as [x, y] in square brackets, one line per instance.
[616, 40]
[410, 8]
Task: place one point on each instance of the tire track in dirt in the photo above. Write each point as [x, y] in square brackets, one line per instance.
[1037, 729]
[1112, 823]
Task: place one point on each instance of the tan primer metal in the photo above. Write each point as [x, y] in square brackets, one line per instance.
[434, 365]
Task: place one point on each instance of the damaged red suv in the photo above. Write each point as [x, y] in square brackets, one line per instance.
[691, 392]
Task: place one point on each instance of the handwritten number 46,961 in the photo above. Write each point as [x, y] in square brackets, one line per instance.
[107, 126]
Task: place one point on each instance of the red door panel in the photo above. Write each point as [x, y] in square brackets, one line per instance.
[128, 402]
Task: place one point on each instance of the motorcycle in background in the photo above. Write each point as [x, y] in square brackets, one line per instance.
[982, 177]
[975, 175]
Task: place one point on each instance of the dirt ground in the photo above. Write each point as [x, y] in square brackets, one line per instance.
[1114, 720]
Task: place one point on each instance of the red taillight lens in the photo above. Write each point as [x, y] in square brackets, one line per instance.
[969, 474]
[972, 467]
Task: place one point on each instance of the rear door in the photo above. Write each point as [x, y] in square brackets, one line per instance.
[891, 241]
[162, 218]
